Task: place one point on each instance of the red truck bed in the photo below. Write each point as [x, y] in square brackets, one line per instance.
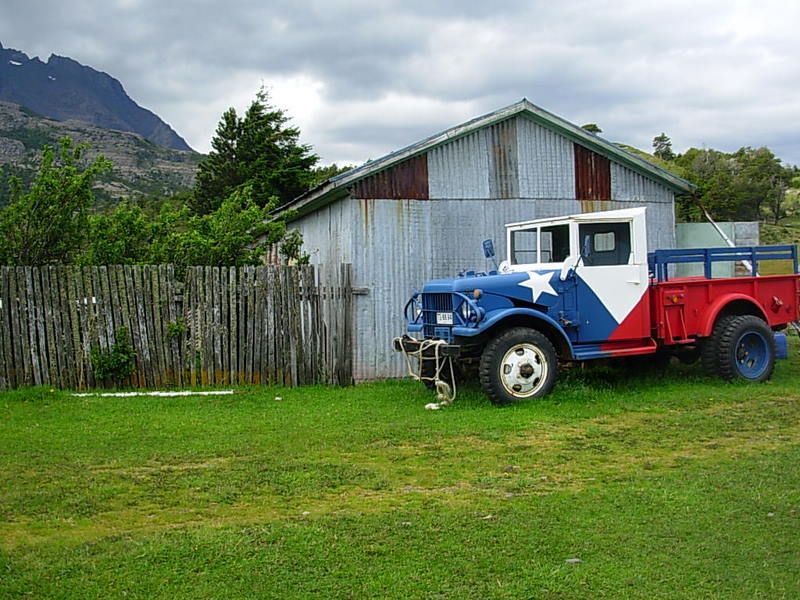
[683, 309]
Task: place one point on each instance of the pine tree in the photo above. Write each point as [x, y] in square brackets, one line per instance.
[662, 147]
[259, 150]
[220, 172]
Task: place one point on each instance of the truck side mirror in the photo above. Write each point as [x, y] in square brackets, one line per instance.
[586, 249]
[488, 249]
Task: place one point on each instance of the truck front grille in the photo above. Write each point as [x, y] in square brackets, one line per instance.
[431, 304]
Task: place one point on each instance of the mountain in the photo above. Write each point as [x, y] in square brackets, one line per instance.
[140, 168]
[64, 89]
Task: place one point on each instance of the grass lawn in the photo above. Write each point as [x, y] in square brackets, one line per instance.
[658, 486]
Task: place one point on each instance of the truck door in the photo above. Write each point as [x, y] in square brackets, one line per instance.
[612, 282]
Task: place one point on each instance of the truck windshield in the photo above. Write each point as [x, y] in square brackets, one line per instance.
[540, 245]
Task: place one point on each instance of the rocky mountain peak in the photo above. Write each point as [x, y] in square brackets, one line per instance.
[64, 89]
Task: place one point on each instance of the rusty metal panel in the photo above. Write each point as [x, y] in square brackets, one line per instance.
[546, 162]
[503, 160]
[592, 179]
[460, 169]
[408, 179]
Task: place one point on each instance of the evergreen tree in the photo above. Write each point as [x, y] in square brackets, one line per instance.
[219, 173]
[662, 147]
[259, 150]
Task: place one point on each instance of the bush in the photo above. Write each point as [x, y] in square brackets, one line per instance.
[115, 364]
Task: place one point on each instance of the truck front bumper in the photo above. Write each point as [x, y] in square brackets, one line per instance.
[409, 345]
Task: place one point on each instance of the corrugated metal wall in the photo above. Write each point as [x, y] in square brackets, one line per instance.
[629, 189]
[513, 171]
[328, 233]
[546, 163]
[460, 169]
[503, 160]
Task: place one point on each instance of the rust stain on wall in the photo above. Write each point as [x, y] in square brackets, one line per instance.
[504, 179]
[592, 179]
[367, 210]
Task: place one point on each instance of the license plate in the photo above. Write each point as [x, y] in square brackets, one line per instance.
[444, 318]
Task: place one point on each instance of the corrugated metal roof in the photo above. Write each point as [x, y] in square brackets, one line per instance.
[337, 186]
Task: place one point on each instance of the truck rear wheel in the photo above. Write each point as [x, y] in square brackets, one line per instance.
[710, 351]
[519, 363]
[746, 349]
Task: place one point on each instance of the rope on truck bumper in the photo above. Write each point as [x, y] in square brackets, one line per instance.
[430, 350]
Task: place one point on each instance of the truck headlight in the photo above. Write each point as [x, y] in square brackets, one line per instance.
[416, 309]
[467, 313]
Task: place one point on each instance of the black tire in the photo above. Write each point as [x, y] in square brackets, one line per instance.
[709, 348]
[518, 364]
[689, 356]
[747, 349]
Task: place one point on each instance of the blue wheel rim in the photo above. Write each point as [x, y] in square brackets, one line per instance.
[751, 354]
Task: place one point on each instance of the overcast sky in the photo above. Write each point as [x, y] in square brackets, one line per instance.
[362, 78]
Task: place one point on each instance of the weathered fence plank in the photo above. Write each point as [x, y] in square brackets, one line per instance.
[269, 325]
[251, 324]
[261, 333]
[6, 349]
[233, 324]
[266, 322]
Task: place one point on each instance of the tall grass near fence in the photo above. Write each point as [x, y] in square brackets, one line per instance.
[271, 324]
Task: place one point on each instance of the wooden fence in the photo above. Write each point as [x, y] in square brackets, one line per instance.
[213, 326]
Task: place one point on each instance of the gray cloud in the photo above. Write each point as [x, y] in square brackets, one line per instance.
[362, 78]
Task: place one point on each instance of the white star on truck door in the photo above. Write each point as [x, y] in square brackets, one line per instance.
[539, 283]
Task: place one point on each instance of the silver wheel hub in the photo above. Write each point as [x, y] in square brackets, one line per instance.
[523, 370]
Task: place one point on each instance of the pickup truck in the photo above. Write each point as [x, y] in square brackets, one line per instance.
[584, 287]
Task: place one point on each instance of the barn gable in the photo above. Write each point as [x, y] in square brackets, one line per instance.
[520, 151]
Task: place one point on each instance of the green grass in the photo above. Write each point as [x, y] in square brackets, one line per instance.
[664, 486]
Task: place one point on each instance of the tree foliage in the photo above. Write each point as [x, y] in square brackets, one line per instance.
[592, 128]
[749, 184]
[235, 234]
[48, 223]
[260, 150]
[120, 237]
[322, 174]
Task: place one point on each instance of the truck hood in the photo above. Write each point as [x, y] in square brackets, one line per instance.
[531, 287]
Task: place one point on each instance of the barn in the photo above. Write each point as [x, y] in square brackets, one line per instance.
[422, 212]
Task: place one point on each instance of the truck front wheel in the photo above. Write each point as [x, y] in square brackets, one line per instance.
[746, 349]
[519, 363]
